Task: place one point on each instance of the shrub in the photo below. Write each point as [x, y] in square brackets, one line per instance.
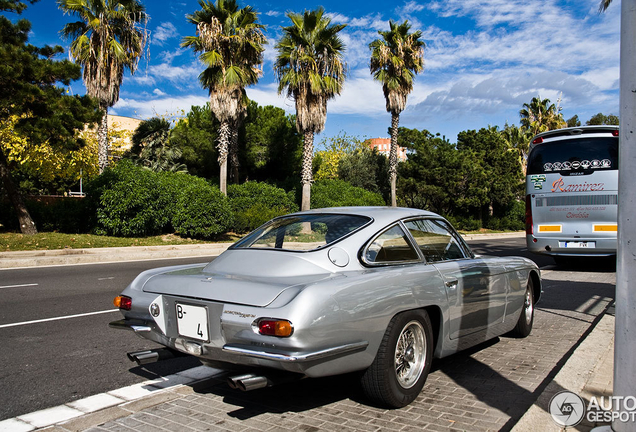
[255, 203]
[339, 193]
[202, 211]
[130, 201]
[464, 223]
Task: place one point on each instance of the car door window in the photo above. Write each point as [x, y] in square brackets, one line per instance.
[435, 240]
[392, 246]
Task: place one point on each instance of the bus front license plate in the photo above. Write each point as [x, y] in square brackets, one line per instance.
[578, 244]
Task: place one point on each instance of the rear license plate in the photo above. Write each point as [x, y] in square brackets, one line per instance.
[578, 244]
[192, 321]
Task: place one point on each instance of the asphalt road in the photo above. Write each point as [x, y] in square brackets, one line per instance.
[55, 361]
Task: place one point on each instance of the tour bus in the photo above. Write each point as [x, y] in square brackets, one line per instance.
[572, 192]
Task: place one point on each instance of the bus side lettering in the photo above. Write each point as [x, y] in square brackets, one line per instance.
[560, 186]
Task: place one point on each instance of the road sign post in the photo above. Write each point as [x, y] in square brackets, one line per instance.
[625, 342]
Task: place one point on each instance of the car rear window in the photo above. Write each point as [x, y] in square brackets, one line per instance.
[584, 154]
[302, 232]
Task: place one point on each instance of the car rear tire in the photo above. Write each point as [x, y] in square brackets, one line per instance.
[398, 373]
[526, 319]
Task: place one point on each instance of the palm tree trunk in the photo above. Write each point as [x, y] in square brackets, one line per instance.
[306, 172]
[27, 226]
[395, 122]
[102, 140]
[223, 140]
[234, 160]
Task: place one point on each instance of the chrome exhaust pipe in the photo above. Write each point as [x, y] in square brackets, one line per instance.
[233, 380]
[253, 383]
[154, 355]
[248, 382]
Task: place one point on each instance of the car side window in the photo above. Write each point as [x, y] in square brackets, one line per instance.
[435, 240]
[391, 246]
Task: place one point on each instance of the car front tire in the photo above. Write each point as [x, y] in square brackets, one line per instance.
[526, 319]
[398, 373]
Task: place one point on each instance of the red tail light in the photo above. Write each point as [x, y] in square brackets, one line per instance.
[615, 133]
[270, 327]
[529, 227]
[123, 302]
[537, 140]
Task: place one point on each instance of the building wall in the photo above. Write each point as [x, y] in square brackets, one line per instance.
[383, 146]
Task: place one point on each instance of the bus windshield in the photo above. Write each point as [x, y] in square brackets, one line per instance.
[582, 155]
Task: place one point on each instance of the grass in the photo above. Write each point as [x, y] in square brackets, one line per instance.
[52, 240]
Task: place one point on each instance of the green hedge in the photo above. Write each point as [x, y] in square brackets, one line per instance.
[202, 211]
[255, 203]
[131, 201]
[339, 193]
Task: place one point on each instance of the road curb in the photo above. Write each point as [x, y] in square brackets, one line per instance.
[25, 259]
[91, 411]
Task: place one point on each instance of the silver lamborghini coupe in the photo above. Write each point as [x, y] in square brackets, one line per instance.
[378, 290]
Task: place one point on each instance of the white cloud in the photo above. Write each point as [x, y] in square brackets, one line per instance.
[273, 13]
[163, 32]
[149, 108]
[410, 7]
[158, 92]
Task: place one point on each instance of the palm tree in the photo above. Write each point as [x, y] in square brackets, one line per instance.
[311, 69]
[540, 116]
[231, 45]
[604, 5]
[395, 60]
[109, 38]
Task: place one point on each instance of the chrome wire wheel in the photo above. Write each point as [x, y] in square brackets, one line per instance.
[410, 354]
[528, 305]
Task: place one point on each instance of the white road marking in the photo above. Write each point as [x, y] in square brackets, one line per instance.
[18, 286]
[57, 318]
[106, 278]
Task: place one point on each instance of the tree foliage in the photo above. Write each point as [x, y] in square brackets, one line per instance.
[230, 42]
[272, 145]
[602, 119]
[30, 99]
[540, 115]
[310, 68]
[109, 38]
[479, 178]
[152, 147]
[395, 60]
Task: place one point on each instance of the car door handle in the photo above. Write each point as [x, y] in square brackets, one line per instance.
[452, 284]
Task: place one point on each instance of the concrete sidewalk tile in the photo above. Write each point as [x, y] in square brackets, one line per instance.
[95, 403]
[134, 391]
[170, 381]
[94, 419]
[15, 425]
[50, 416]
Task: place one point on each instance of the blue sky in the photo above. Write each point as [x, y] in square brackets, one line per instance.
[483, 60]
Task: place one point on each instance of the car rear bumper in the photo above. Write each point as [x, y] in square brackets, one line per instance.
[321, 362]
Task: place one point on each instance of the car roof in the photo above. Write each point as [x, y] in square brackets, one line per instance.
[379, 214]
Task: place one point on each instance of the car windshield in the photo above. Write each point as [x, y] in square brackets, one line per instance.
[302, 232]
